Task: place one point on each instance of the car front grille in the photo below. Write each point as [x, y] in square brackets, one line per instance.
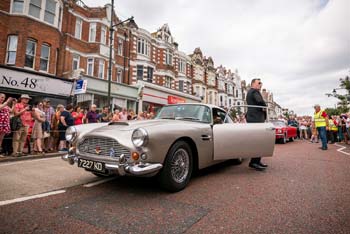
[103, 147]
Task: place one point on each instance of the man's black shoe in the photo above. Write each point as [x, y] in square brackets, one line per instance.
[256, 167]
[323, 148]
[262, 165]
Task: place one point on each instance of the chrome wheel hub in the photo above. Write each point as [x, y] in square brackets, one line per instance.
[180, 165]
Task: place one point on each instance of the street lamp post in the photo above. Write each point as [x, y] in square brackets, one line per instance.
[111, 31]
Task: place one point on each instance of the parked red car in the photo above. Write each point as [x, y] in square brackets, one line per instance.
[284, 132]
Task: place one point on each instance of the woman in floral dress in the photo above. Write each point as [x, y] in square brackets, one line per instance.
[5, 111]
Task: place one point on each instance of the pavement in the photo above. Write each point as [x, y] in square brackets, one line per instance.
[29, 157]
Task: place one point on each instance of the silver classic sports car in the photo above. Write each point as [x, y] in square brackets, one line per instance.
[182, 138]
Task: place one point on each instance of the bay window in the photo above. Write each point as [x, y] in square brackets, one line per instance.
[30, 54]
[44, 57]
[35, 8]
[50, 11]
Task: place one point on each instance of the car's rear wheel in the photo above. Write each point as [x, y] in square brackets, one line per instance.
[178, 166]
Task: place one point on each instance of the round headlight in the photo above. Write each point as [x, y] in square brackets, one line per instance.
[139, 137]
[71, 134]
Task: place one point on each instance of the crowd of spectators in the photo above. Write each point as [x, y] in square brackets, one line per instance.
[40, 128]
[338, 131]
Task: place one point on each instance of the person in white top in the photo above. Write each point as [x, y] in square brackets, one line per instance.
[123, 115]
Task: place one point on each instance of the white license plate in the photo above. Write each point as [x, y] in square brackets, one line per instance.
[91, 165]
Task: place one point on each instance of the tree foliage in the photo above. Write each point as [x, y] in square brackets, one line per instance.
[343, 104]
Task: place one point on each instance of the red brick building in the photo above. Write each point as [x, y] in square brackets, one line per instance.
[30, 49]
[49, 39]
[157, 65]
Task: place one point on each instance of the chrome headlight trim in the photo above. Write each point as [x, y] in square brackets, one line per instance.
[71, 134]
[139, 137]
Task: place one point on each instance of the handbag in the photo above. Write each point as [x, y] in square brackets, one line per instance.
[15, 123]
[46, 134]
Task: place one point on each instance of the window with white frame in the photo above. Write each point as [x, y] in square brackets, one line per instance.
[103, 34]
[120, 47]
[50, 11]
[210, 97]
[236, 93]
[203, 92]
[11, 51]
[197, 90]
[44, 57]
[90, 66]
[101, 68]
[169, 57]
[18, 6]
[167, 81]
[76, 62]
[78, 27]
[35, 8]
[143, 47]
[92, 32]
[182, 66]
[149, 74]
[119, 75]
[189, 87]
[139, 72]
[181, 85]
[30, 54]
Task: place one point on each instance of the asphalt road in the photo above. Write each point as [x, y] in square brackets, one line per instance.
[304, 190]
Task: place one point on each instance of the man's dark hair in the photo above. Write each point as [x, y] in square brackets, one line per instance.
[69, 107]
[253, 80]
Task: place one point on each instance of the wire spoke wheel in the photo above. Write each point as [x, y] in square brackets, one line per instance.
[180, 165]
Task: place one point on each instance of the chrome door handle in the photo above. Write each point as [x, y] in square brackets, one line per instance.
[206, 137]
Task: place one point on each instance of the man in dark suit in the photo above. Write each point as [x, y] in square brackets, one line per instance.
[256, 115]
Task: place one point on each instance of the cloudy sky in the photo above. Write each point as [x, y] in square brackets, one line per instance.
[299, 48]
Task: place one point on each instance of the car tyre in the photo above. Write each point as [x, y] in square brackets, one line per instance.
[178, 167]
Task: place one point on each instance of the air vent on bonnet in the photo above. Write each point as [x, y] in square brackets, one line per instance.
[119, 123]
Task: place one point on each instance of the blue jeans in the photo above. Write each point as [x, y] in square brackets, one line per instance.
[323, 135]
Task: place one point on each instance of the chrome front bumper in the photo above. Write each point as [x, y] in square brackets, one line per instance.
[122, 168]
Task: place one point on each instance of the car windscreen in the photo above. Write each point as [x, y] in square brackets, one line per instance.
[278, 123]
[185, 112]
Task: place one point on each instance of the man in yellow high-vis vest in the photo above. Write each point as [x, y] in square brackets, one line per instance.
[333, 129]
[321, 122]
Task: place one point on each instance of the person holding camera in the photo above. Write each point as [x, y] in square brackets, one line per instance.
[23, 111]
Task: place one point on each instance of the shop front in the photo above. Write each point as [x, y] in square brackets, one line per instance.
[122, 95]
[152, 97]
[16, 81]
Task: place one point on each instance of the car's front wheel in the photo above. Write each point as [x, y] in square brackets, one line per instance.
[178, 166]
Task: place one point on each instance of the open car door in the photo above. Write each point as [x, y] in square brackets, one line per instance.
[243, 140]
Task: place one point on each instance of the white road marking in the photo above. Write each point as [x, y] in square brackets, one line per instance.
[21, 199]
[341, 149]
[98, 182]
